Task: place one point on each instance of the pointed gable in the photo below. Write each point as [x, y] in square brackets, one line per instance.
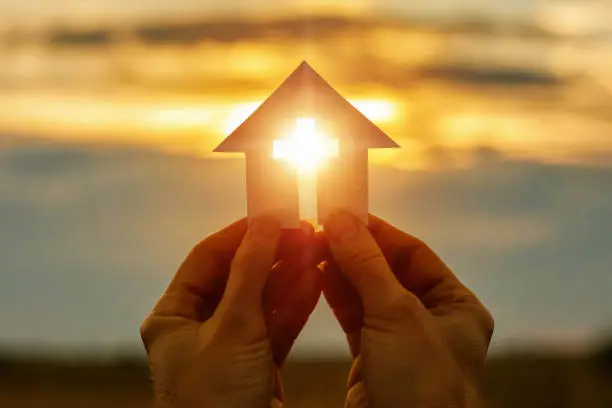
[304, 93]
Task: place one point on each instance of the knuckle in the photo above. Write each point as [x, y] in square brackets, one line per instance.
[486, 322]
[155, 326]
[422, 246]
[400, 306]
[148, 331]
[363, 258]
[423, 254]
[201, 249]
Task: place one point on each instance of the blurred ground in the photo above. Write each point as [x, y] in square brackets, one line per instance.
[527, 381]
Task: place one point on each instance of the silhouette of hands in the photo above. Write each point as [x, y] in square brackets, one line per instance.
[223, 328]
[419, 338]
[226, 323]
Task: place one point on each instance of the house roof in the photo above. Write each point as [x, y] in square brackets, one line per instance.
[305, 94]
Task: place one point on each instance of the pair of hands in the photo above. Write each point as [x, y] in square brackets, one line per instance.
[224, 327]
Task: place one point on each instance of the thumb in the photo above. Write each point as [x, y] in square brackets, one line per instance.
[359, 258]
[242, 301]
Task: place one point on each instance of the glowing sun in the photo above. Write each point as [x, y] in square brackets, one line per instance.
[305, 148]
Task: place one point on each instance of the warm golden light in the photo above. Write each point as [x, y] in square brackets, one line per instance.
[239, 114]
[306, 148]
[377, 110]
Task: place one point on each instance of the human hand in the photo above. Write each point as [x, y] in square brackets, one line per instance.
[419, 338]
[225, 324]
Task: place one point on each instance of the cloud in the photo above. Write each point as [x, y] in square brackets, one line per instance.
[530, 238]
[75, 11]
[89, 238]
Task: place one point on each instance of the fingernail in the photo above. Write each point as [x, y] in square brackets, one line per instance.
[266, 227]
[341, 225]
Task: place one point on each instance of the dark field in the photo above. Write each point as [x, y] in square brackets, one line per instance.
[514, 381]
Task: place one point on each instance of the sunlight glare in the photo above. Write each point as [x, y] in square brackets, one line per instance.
[239, 114]
[377, 110]
[306, 148]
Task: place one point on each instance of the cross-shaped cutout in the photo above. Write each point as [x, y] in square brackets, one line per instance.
[305, 148]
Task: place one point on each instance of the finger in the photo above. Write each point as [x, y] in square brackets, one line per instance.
[298, 246]
[422, 272]
[197, 286]
[356, 392]
[345, 303]
[419, 269]
[292, 290]
[242, 301]
[295, 254]
[286, 318]
[362, 262]
[322, 253]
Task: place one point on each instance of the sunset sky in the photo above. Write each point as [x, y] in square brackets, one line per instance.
[459, 91]
[107, 177]
[104, 10]
[566, 16]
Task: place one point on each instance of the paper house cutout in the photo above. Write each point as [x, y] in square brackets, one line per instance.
[342, 183]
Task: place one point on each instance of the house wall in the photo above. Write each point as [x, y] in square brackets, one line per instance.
[272, 189]
[343, 184]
